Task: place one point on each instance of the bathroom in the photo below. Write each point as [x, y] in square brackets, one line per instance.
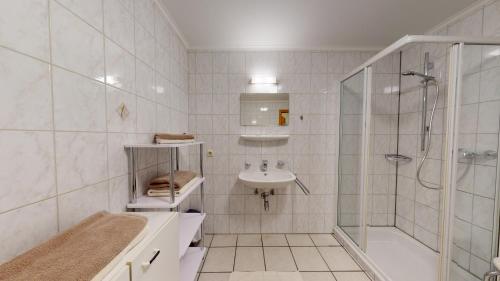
[300, 121]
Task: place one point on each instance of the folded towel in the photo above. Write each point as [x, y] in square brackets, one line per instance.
[166, 138]
[162, 141]
[165, 192]
[181, 178]
[79, 253]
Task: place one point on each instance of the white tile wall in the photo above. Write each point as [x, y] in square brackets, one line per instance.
[66, 68]
[311, 78]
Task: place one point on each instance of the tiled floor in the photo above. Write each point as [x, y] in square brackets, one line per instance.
[318, 257]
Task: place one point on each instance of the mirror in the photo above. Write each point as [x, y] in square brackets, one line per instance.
[264, 109]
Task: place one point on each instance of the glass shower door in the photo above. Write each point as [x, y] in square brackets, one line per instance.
[350, 161]
[475, 181]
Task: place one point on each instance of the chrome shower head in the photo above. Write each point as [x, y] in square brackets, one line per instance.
[421, 75]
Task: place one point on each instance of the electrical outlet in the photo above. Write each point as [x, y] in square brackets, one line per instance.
[210, 153]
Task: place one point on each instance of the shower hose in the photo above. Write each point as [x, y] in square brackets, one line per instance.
[429, 137]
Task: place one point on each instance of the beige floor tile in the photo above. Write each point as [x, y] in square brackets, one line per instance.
[317, 276]
[351, 276]
[249, 259]
[308, 259]
[208, 240]
[279, 259]
[224, 240]
[289, 276]
[249, 240]
[219, 260]
[299, 240]
[274, 240]
[265, 276]
[338, 259]
[324, 240]
[214, 277]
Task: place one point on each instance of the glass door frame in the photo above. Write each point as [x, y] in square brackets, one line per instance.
[449, 175]
[455, 88]
[365, 152]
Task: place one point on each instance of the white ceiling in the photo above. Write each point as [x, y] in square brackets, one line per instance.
[305, 24]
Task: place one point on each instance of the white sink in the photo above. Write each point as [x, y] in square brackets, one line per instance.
[267, 180]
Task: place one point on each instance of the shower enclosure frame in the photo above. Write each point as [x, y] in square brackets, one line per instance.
[448, 175]
[367, 83]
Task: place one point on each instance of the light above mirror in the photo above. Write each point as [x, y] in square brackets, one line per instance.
[263, 80]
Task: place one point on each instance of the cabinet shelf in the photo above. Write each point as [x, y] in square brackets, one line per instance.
[163, 145]
[189, 224]
[189, 258]
[191, 262]
[147, 202]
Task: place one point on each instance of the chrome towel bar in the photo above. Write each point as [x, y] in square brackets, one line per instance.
[302, 186]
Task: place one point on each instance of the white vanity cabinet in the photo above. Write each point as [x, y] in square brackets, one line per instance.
[120, 273]
[156, 256]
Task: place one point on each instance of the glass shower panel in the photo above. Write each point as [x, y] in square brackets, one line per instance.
[418, 208]
[383, 141]
[475, 221]
[350, 147]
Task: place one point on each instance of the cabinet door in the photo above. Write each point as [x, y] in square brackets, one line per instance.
[121, 273]
[159, 259]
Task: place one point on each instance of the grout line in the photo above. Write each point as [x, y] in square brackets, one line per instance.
[323, 258]
[68, 10]
[291, 252]
[58, 213]
[235, 251]
[29, 55]
[29, 204]
[264, 258]
[106, 108]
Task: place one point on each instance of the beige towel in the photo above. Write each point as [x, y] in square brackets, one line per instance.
[159, 137]
[181, 178]
[78, 253]
[165, 192]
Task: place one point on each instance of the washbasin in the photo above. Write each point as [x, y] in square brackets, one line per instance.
[271, 179]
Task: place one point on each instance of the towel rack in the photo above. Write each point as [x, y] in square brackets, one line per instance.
[302, 186]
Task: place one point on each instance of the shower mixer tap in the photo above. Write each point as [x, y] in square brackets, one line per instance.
[471, 155]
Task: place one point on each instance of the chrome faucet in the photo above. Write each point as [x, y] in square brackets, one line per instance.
[263, 166]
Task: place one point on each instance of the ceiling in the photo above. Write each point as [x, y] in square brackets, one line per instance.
[305, 24]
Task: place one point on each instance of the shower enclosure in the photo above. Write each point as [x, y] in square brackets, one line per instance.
[418, 167]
